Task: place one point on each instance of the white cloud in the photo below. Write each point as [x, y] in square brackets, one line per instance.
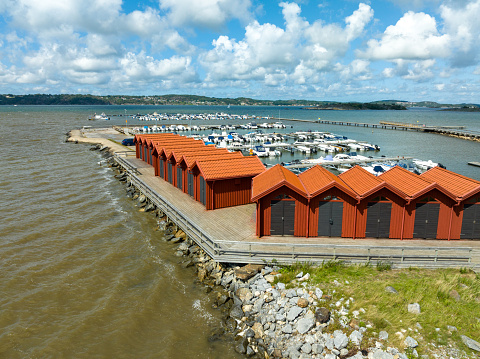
[462, 25]
[206, 13]
[356, 70]
[413, 37]
[278, 55]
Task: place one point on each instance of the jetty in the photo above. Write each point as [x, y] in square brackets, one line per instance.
[455, 131]
[228, 234]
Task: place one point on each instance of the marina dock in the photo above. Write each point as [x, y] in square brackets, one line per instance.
[228, 234]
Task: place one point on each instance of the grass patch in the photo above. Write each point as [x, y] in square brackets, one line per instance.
[447, 297]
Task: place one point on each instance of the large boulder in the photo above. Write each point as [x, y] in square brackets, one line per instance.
[248, 271]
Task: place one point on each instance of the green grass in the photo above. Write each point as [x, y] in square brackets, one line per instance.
[387, 311]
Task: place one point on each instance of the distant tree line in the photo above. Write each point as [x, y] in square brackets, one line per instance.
[76, 99]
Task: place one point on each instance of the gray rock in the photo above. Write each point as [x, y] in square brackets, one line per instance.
[305, 324]
[414, 308]
[317, 348]
[241, 345]
[469, 342]
[291, 293]
[356, 337]
[249, 333]
[287, 329]
[250, 352]
[293, 353]
[236, 312]
[390, 289]
[244, 294]
[383, 335]
[318, 293]
[300, 275]
[340, 341]
[330, 356]
[306, 348]
[329, 342]
[380, 354]
[280, 286]
[452, 328]
[293, 313]
[343, 352]
[410, 342]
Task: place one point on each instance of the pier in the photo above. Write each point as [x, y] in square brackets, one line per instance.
[228, 234]
[455, 131]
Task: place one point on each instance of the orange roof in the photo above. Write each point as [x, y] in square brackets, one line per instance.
[167, 148]
[177, 153]
[318, 179]
[189, 158]
[409, 183]
[360, 180]
[142, 137]
[156, 142]
[274, 178]
[234, 167]
[460, 186]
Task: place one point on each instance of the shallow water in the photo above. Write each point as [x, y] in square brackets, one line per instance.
[85, 275]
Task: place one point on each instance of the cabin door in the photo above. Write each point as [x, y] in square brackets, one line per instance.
[190, 184]
[170, 173]
[378, 219]
[145, 153]
[203, 191]
[162, 169]
[282, 217]
[330, 216]
[179, 178]
[426, 220]
[471, 221]
[150, 152]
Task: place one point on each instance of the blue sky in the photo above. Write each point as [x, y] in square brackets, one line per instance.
[319, 50]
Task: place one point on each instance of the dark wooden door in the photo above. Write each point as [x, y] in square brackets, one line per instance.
[426, 220]
[162, 169]
[282, 218]
[378, 219]
[170, 173]
[330, 216]
[471, 221]
[190, 184]
[179, 178]
[203, 191]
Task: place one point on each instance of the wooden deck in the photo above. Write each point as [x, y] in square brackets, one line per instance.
[228, 234]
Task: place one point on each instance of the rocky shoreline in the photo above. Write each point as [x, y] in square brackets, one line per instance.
[265, 318]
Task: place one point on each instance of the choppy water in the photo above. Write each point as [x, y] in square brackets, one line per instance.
[84, 274]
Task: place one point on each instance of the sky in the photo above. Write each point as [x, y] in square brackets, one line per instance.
[411, 50]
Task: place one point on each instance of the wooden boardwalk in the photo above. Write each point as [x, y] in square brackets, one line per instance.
[228, 234]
